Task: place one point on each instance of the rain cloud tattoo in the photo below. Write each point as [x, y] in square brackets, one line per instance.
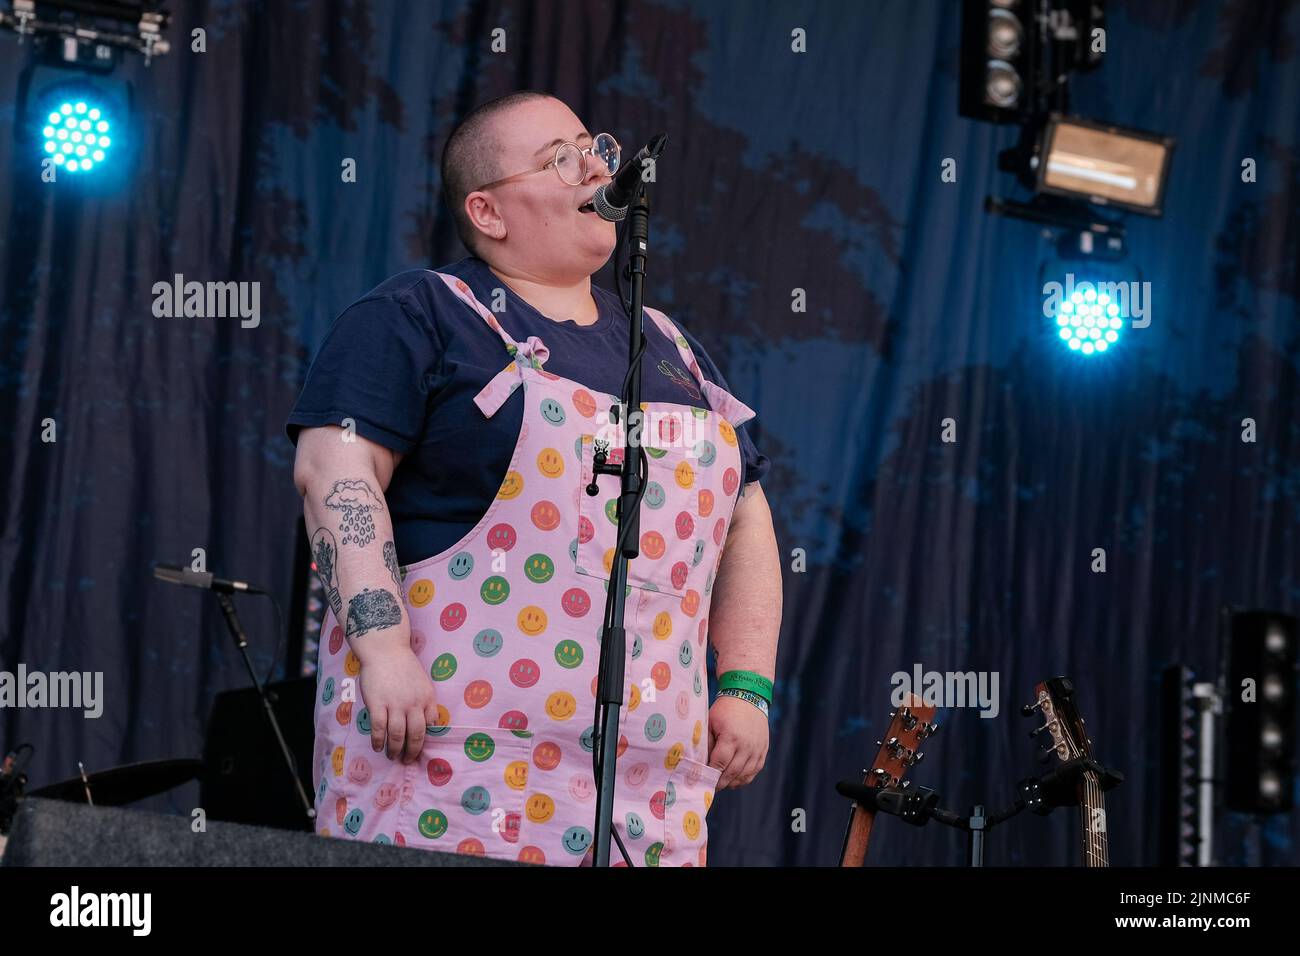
[372, 611]
[390, 559]
[356, 500]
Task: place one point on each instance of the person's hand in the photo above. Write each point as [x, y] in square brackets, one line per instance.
[738, 740]
[398, 693]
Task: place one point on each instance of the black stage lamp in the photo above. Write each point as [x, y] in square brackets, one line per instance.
[1261, 695]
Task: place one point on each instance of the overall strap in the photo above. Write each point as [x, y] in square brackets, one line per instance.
[720, 400]
[530, 354]
[462, 291]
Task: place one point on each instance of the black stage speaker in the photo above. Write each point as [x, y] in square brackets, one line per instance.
[245, 779]
[55, 833]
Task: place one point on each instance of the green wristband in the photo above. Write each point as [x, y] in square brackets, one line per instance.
[747, 680]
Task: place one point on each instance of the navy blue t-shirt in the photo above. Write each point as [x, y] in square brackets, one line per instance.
[406, 360]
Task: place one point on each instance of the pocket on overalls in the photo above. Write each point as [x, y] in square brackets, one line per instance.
[351, 772]
[559, 810]
[466, 792]
[689, 794]
[672, 546]
[354, 799]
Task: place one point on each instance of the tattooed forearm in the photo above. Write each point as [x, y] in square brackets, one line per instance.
[355, 499]
[372, 611]
[390, 559]
[342, 484]
[324, 552]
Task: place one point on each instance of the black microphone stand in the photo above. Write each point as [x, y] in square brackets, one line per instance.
[241, 642]
[613, 640]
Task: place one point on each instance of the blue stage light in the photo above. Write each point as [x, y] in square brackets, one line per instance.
[77, 135]
[1089, 321]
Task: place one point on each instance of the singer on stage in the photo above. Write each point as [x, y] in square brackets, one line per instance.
[445, 438]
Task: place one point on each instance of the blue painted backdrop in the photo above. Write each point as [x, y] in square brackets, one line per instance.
[818, 171]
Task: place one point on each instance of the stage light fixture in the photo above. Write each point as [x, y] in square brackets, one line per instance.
[997, 60]
[78, 133]
[1089, 322]
[73, 116]
[90, 33]
[75, 129]
[1103, 164]
[1261, 725]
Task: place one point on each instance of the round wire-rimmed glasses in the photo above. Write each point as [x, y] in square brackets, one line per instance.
[570, 161]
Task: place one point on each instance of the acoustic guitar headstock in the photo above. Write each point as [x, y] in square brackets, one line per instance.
[900, 747]
[899, 751]
[1055, 698]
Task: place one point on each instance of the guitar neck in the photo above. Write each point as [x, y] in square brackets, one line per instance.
[909, 725]
[1092, 821]
[857, 836]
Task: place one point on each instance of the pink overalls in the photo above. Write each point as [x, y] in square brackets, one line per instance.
[508, 623]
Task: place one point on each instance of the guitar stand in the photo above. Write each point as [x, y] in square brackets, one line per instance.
[1042, 795]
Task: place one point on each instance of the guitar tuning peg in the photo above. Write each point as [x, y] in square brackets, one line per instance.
[1045, 754]
[880, 743]
[1028, 710]
[906, 784]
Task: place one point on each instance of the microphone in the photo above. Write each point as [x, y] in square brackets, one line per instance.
[202, 579]
[612, 199]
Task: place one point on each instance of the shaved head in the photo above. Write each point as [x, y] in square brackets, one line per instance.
[529, 221]
[471, 156]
